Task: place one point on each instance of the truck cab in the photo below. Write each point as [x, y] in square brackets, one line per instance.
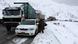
[12, 15]
[27, 27]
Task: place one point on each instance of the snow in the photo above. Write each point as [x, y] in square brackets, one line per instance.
[60, 11]
[19, 40]
[56, 32]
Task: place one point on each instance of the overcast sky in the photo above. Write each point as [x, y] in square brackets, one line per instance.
[70, 2]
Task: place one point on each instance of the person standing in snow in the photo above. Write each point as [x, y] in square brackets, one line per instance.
[41, 25]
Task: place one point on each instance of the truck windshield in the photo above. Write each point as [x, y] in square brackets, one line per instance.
[28, 22]
[12, 12]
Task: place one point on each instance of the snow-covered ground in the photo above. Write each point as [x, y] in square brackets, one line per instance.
[56, 32]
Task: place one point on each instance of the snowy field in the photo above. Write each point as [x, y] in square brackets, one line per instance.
[60, 11]
[56, 32]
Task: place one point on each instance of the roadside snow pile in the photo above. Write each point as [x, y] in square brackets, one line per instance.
[46, 38]
[58, 33]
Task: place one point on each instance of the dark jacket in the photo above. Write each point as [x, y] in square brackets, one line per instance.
[41, 25]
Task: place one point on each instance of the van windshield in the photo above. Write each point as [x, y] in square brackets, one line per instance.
[28, 22]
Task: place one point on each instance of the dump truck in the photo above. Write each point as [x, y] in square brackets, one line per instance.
[12, 16]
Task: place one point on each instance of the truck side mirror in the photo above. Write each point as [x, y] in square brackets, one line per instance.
[21, 12]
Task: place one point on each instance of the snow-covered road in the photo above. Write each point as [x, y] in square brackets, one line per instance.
[58, 32]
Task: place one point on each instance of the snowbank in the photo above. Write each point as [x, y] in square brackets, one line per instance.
[58, 33]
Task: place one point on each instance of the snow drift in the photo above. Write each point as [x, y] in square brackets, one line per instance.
[57, 32]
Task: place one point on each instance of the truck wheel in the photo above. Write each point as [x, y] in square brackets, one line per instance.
[8, 29]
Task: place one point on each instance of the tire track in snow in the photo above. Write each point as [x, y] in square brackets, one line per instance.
[54, 36]
[66, 35]
[19, 40]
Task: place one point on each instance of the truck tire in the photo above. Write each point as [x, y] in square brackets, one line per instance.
[8, 29]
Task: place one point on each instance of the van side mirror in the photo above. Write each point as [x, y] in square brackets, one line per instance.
[37, 23]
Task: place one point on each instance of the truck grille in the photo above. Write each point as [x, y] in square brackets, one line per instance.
[11, 19]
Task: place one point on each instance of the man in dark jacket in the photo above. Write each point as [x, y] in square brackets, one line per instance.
[41, 25]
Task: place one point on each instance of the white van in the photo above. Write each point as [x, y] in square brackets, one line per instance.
[27, 27]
